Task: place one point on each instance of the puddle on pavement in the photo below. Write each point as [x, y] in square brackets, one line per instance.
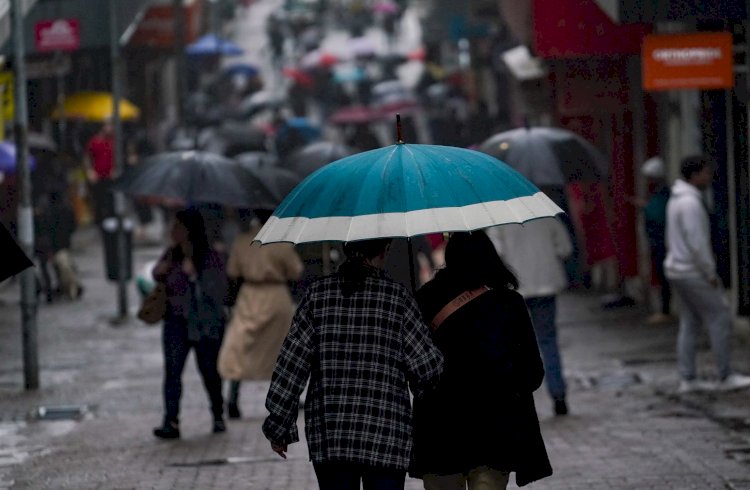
[62, 412]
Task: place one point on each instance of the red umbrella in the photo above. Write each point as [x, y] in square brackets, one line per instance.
[300, 77]
[355, 114]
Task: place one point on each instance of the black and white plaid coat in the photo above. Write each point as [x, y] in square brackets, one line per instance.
[362, 354]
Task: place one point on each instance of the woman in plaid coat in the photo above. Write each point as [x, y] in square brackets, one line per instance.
[359, 338]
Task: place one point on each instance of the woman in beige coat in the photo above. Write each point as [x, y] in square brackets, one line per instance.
[263, 312]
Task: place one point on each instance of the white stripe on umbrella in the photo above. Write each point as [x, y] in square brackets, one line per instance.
[466, 218]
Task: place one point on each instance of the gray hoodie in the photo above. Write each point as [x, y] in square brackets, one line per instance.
[689, 251]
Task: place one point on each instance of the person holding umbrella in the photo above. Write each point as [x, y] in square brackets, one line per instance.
[196, 288]
[359, 338]
[263, 309]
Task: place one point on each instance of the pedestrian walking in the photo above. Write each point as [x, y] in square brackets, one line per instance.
[196, 287]
[263, 310]
[654, 209]
[536, 252]
[690, 267]
[480, 423]
[359, 338]
[99, 163]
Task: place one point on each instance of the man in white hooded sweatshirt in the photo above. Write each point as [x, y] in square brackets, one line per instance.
[690, 268]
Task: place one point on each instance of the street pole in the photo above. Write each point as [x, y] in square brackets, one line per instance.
[25, 215]
[179, 56]
[119, 198]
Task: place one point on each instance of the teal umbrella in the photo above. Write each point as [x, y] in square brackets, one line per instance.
[405, 190]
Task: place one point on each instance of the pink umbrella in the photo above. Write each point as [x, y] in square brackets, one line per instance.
[386, 7]
[354, 114]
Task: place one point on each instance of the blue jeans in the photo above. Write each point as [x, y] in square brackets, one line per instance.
[346, 476]
[702, 304]
[543, 310]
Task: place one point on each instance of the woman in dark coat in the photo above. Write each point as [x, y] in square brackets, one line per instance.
[480, 423]
[196, 284]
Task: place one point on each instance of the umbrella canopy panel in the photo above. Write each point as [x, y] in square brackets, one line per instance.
[548, 156]
[313, 156]
[405, 190]
[95, 107]
[211, 45]
[196, 177]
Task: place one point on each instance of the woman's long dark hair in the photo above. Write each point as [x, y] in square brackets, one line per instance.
[472, 262]
[192, 220]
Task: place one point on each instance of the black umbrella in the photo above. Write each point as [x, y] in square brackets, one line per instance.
[187, 177]
[14, 259]
[276, 180]
[548, 156]
[231, 139]
[311, 157]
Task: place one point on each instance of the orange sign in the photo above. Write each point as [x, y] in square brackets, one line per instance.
[688, 61]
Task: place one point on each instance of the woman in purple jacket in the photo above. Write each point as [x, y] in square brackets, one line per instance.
[196, 284]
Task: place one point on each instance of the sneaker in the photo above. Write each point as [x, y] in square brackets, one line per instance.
[169, 430]
[219, 426]
[694, 385]
[733, 382]
[561, 408]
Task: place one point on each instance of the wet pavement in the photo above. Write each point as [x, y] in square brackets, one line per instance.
[627, 427]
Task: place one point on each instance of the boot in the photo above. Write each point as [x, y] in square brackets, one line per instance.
[168, 430]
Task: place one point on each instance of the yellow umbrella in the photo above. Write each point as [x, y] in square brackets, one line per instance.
[95, 106]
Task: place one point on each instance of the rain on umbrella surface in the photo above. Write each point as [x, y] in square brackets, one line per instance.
[8, 161]
[548, 156]
[188, 177]
[313, 156]
[405, 190]
[95, 107]
[211, 44]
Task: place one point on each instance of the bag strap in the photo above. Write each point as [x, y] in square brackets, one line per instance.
[455, 304]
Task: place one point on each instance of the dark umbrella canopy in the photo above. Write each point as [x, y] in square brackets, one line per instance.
[276, 180]
[196, 177]
[311, 157]
[14, 260]
[548, 156]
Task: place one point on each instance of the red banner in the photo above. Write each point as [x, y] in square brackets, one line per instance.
[57, 35]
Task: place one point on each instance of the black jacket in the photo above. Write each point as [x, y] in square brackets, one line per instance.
[483, 412]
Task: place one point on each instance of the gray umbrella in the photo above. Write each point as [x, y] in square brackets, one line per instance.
[312, 156]
[548, 156]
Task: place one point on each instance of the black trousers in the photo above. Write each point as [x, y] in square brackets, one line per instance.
[176, 347]
[347, 476]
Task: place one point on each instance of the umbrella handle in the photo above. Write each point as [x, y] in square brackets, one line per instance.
[399, 138]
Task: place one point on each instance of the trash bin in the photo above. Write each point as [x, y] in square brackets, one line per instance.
[109, 232]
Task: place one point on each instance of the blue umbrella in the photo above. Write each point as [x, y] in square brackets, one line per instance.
[405, 190]
[213, 45]
[8, 158]
[243, 69]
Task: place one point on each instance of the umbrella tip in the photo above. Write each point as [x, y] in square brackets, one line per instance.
[399, 138]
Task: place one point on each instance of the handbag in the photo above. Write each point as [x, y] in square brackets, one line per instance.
[154, 306]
